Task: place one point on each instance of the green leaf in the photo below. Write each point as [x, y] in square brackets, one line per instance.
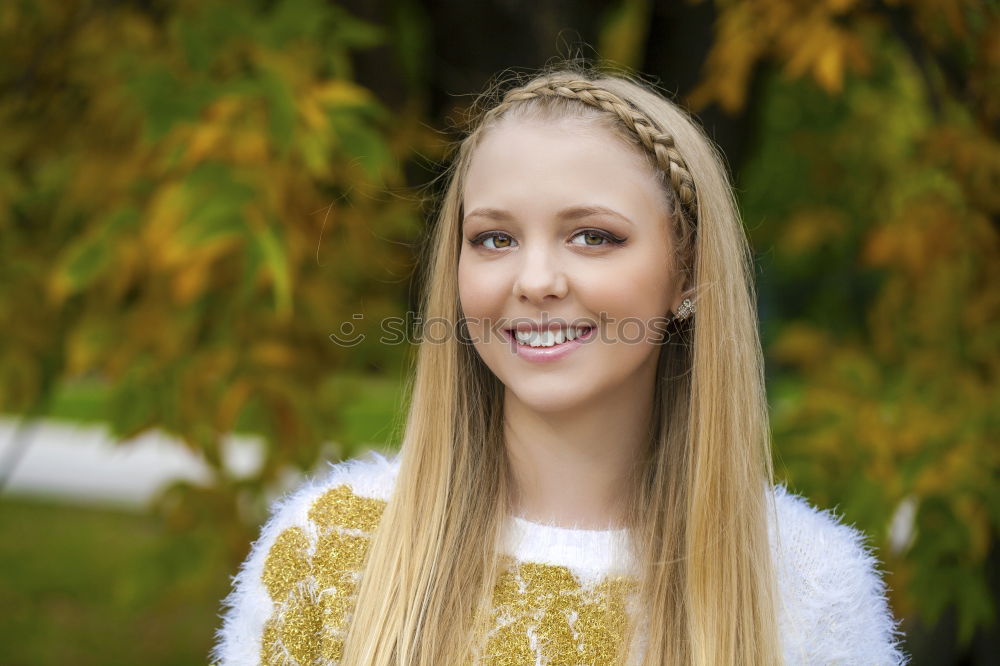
[133, 403]
[623, 34]
[362, 142]
[280, 109]
[167, 100]
[412, 34]
[86, 258]
[217, 198]
[276, 262]
[353, 33]
[208, 31]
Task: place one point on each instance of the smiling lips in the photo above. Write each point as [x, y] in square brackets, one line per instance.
[549, 345]
[550, 337]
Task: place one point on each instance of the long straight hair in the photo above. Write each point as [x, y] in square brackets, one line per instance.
[699, 501]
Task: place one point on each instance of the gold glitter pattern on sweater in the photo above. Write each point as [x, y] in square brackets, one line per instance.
[311, 576]
[542, 614]
[538, 611]
[339, 506]
[287, 563]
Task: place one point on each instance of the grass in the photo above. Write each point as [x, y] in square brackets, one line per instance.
[86, 586]
[90, 586]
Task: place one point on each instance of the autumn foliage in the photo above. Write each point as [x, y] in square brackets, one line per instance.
[873, 201]
[193, 201]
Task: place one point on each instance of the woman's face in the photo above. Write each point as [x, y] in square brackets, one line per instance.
[566, 232]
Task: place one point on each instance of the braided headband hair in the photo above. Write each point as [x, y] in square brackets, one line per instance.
[658, 142]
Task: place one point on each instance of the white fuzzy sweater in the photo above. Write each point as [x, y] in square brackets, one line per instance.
[566, 597]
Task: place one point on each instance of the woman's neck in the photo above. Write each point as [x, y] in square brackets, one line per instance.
[572, 468]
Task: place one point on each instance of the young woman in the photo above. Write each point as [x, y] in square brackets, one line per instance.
[585, 473]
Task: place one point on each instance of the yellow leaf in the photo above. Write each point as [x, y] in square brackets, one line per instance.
[801, 344]
[739, 44]
[274, 354]
[810, 229]
[249, 146]
[165, 213]
[338, 92]
[840, 6]
[829, 68]
[203, 142]
[189, 282]
[313, 114]
[234, 396]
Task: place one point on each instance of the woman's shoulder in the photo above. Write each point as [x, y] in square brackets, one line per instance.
[832, 598]
[314, 540]
[369, 477]
[350, 494]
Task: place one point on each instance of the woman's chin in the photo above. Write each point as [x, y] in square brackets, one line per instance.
[547, 400]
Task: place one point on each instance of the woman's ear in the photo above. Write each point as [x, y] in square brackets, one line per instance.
[680, 292]
[682, 306]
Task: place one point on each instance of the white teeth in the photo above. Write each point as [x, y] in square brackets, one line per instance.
[548, 338]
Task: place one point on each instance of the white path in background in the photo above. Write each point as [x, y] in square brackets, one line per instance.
[85, 464]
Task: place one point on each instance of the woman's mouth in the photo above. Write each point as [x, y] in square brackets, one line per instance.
[550, 337]
[548, 345]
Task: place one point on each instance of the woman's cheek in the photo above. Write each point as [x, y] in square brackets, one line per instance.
[481, 291]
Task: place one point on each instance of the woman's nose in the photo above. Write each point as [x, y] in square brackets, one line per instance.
[540, 277]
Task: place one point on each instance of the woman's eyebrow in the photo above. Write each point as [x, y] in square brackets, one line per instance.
[579, 212]
[490, 213]
[571, 213]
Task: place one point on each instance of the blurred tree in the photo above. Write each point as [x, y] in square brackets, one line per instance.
[194, 195]
[874, 194]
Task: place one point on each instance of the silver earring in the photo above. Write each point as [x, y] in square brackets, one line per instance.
[684, 310]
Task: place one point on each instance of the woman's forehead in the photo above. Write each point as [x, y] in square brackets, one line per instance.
[560, 159]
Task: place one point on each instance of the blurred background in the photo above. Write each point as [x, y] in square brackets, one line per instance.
[194, 196]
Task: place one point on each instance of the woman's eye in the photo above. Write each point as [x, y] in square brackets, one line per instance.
[494, 241]
[497, 240]
[594, 238]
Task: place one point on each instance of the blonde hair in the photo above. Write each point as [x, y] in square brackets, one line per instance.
[698, 510]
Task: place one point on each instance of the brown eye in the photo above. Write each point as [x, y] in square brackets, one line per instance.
[494, 240]
[596, 238]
